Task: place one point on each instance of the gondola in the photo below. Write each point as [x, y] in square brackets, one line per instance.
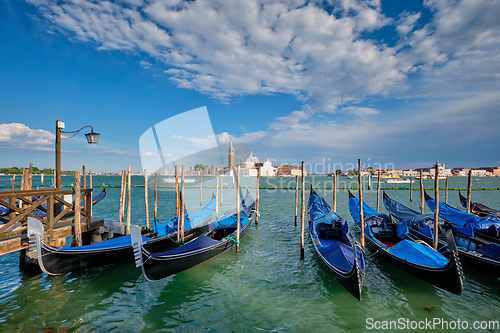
[487, 227]
[335, 245]
[220, 237]
[56, 261]
[477, 208]
[392, 240]
[471, 249]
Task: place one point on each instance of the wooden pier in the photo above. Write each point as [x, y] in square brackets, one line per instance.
[59, 220]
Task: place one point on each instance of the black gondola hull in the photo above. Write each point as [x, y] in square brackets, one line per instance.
[481, 262]
[156, 268]
[448, 278]
[352, 280]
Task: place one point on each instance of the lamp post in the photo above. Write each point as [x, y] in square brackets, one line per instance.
[92, 137]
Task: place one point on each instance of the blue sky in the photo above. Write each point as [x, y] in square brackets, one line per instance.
[392, 82]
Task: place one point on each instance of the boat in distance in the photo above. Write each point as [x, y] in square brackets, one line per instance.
[219, 238]
[335, 245]
[391, 238]
[172, 180]
[399, 181]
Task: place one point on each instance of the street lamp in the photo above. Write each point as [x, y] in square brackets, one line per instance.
[92, 138]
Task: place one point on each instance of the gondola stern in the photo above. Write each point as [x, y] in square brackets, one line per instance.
[454, 264]
[136, 238]
[35, 236]
[359, 277]
[427, 197]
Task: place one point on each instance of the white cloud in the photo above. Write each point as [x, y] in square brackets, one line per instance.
[406, 22]
[145, 64]
[360, 111]
[441, 130]
[16, 135]
[226, 48]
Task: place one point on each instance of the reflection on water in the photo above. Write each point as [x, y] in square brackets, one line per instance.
[266, 287]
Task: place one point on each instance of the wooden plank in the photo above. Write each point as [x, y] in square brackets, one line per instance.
[20, 216]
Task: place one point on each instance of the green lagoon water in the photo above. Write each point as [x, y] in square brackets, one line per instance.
[265, 287]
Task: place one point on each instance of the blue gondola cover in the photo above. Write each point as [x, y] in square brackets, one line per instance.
[491, 250]
[190, 220]
[111, 243]
[196, 244]
[418, 254]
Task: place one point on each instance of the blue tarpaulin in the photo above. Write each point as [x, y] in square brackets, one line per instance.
[339, 255]
[491, 250]
[418, 254]
[402, 230]
[190, 220]
[196, 244]
[228, 219]
[111, 243]
[461, 218]
[427, 230]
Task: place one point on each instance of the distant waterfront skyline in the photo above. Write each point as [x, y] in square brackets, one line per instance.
[390, 82]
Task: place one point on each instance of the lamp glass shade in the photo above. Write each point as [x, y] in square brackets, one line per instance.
[92, 137]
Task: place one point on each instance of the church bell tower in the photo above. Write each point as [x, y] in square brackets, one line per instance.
[230, 155]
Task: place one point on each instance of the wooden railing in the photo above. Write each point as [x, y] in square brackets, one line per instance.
[49, 201]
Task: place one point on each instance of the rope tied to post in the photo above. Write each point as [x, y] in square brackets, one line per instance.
[231, 238]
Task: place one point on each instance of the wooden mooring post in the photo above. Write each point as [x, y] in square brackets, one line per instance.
[121, 212]
[217, 195]
[78, 227]
[335, 192]
[177, 199]
[436, 207]
[129, 202]
[201, 187]
[84, 177]
[296, 197]
[155, 213]
[221, 187]
[182, 206]
[361, 217]
[446, 191]
[302, 209]
[146, 203]
[469, 186]
[91, 191]
[13, 181]
[238, 209]
[258, 199]
[421, 191]
[378, 192]
[411, 190]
